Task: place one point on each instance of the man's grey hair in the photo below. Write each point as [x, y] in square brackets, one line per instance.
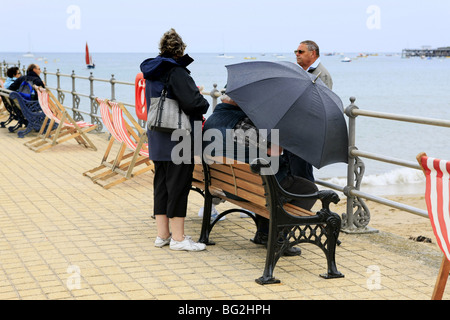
[312, 46]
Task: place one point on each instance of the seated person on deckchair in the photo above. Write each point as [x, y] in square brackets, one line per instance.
[228, 115]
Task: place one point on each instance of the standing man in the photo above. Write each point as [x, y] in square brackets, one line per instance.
[308, 57]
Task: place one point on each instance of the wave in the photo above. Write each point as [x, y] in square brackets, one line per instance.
[395, 177]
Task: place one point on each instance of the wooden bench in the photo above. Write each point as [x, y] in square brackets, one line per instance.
[289, 224]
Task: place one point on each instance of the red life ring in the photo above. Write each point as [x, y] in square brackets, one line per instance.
[141, 103]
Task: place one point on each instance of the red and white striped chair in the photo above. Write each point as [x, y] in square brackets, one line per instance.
[132, 140]
[67, 128]
[110, 165]
[124, 166]
[437, 197]
[134, 136]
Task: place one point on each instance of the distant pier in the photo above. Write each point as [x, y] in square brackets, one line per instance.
[426, 52]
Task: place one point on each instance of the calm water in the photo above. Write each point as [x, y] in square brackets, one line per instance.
[386, 83]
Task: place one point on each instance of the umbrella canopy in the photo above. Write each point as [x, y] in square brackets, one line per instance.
[281, 95]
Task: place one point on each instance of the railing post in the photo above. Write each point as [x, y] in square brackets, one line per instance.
[354, 222]
[59, 92]
[45, 76]
[91, 96]
[75, 100]
[213, 96]
[73, 92]
[113, 88]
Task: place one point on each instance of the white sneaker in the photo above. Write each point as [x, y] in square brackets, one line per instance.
[187, 244]
[159, 242]
[214, 213]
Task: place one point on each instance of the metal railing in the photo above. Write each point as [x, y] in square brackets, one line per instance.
[76, 96]
[357, 216]
[358, 220]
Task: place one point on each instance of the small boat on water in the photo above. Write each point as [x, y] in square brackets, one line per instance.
[346, 59]
[89, 62]
[223, 55]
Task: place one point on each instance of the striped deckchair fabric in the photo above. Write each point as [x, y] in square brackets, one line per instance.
[125, 165]
[132, 140]
[437, 197]
[58, 126]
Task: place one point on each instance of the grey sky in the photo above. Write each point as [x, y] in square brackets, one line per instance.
[224, 26]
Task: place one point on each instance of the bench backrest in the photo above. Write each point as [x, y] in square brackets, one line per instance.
[239, 180]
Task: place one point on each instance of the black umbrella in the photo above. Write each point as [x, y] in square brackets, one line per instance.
[281, 95]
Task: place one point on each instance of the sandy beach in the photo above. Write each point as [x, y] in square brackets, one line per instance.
[394, 226]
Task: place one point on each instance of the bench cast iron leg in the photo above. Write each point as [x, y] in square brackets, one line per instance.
[333, 228]
[206, 224]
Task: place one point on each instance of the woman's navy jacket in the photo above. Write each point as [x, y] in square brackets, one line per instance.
[180, 87]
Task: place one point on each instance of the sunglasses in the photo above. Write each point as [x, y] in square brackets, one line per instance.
[299, 51]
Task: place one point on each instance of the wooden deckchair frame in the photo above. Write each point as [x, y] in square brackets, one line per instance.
[125, 165]
[444, 271]
[66, 127]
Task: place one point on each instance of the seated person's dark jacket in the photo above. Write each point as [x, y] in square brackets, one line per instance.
[31, 77]
[227, 116]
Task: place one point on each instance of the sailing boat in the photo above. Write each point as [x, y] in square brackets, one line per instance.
[29, 54]
[89, 63]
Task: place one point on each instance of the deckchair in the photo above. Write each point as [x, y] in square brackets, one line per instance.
[110, 165]
[124, 166]
[3, 112]
[66, 127]
[437, 197]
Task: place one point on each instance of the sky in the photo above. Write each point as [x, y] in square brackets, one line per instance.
[225, 26]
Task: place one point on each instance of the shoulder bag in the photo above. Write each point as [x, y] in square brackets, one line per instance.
[165, 115]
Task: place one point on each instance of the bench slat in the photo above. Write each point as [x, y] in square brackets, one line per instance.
[241, 182]
[249, 187]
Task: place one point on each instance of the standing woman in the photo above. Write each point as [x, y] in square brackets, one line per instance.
[172, 182]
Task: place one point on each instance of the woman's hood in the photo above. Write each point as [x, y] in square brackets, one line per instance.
[154, 68]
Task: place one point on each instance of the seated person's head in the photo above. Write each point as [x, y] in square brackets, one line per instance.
[13, 72]
[227, 99]
[35, 68]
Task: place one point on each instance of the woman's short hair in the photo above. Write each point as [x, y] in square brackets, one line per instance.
[11, 72]
[171, 44]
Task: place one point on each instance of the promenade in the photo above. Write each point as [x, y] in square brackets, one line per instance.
[64, 237]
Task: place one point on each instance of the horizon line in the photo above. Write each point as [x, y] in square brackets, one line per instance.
[195, 52]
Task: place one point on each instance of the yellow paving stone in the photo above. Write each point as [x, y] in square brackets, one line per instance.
[106, 288]
[53, 217]
[8, 295]
[139, 295]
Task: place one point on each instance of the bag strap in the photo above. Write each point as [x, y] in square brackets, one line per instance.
[163, 98]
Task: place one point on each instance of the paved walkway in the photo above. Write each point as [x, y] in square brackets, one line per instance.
[64, 237]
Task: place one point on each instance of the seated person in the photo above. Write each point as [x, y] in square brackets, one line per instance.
[32, 77]
[228, 115]
[13, 73]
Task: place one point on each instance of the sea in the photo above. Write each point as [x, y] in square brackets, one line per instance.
[383, 82]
